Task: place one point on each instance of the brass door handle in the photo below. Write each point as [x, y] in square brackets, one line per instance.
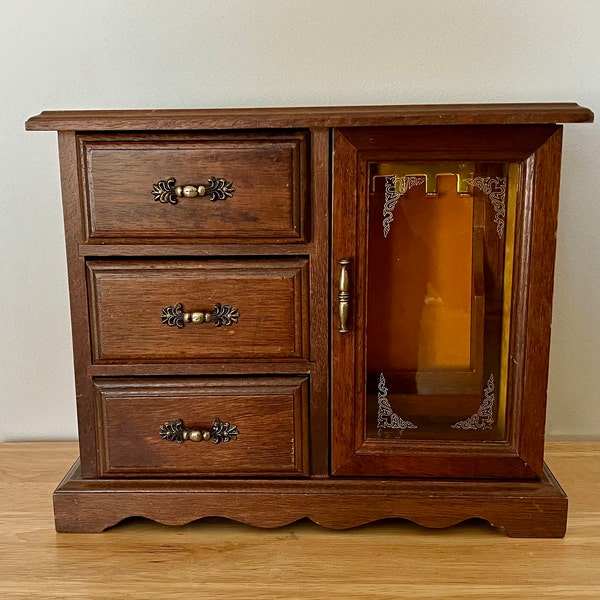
[343, 294]
[166, 190]
[176, 431]
[174, 316]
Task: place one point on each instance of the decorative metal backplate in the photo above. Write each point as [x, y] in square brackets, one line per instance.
[175, 431]
[219, 189]
[172, 431]
[483, 418]
[395, 187]
[223, 432]
[495, 189]
[222, 314]
[172, 315]
[386, 417]
[166, 190]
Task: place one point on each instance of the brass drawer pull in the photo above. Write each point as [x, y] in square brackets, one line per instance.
[217, 188]
[175, 431]
[225, 314]
[343, 294]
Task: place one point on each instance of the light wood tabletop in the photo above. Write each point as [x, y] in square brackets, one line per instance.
[214, 558]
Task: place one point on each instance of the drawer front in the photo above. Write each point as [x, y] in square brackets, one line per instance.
[257, 192]
[212, 310]
[266, 433]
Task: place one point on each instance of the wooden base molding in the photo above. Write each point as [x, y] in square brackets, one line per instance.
[522, 509]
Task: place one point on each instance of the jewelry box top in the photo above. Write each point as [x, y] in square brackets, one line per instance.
[325, 116]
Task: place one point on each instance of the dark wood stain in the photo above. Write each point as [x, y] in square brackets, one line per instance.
[284, 375]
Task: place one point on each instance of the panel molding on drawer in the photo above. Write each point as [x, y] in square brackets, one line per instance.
[270, 413]
[268, 171]
[127, 297]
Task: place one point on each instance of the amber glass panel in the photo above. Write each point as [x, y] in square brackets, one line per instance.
[439, 273]
[420, 283]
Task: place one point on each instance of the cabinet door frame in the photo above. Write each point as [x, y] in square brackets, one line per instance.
[537, 148]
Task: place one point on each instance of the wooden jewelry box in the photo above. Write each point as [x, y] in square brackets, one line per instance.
[334, 313]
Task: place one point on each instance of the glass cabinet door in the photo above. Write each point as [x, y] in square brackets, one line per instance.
[439, 274]
[427, 227]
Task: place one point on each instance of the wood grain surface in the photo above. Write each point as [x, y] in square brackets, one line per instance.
[269, 413]
[127, 298]
[321, 116]
[220, 559]
[355, 149]
[268, 173]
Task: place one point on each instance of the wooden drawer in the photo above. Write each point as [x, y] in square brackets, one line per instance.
[260, 307]
[269, 414]
[268, 173]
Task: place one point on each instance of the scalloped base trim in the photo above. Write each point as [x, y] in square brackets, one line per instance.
[521, 508]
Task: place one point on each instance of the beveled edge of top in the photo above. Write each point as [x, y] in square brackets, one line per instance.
[323, 116]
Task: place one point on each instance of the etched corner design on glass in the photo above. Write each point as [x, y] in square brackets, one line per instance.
[386, 417]
[392, 195]
[495, 189]
[483, 418]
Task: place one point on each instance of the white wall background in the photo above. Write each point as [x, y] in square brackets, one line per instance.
[83, 54]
